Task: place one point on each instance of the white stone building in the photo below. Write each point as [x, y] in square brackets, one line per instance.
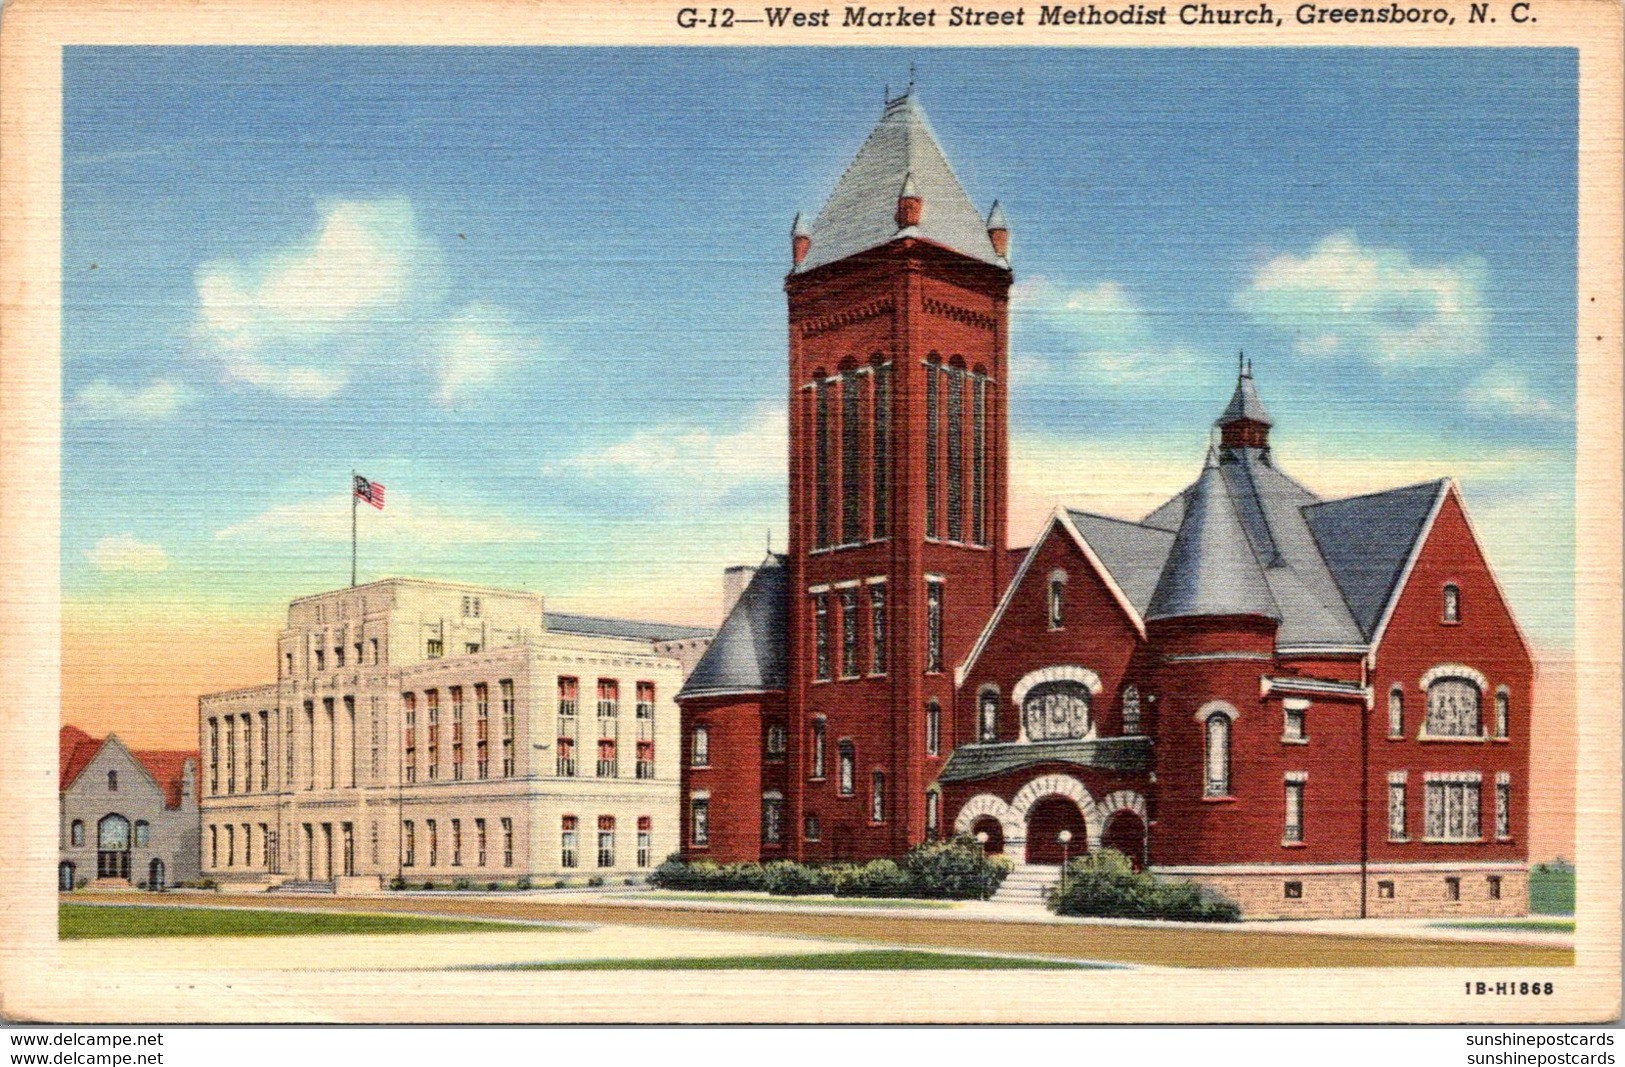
[440, 732]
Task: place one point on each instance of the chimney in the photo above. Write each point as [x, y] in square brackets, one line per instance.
[734, 580]
[800, 240]
[998, 230]
[909, 205]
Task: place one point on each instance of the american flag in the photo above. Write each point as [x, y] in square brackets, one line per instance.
[369, 491]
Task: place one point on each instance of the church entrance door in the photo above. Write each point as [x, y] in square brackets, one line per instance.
[1046, 822]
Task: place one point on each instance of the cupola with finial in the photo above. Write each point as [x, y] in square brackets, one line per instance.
[1244, 423]
[800, 240]
[910, 208]
[998, 230]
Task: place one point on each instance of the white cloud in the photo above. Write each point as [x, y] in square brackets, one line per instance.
[1113, 336]
[102, 399]
[121, 552]
[1346, 300]
[298, 321]
[476, 349]
[405, 521]
[1504, 390]
[694, 462]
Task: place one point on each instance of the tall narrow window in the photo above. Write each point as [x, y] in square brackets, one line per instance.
[646, 730]
[817, 748]
[409, 844]
[479, 841]
[456, 842]
[1218, 755]
[1131, 710]
[1503, 806]
[456, 733]
[849, 633]
[847, 783]
[772, 818]
[933, 626]
[956, 454]
[214, 757]
[851, 482]
[349, 737]
[645, 840]
[877, 629]
[1396, 712]
[310, 735]
[821, 663]
[877, 797]
[265, 749]
[332, 744]
[431, 707]
[933, 815]
[482, 731]
[978, 470]
[987, 716]
[567, 841]
[1503, 713]
[507, 842]
[1293, 831]
[699, 751]
[773, 744]
[1398, 828]
[609, 727]
[1452, 604]
[375, 759]
[933, 728]
[606, 840]
[931, 434]
[434, 841]
[569, 701]
[881, 449]
[506, 688]
[231, 758]
[1057, 591]
[287, 748]
[821, 487]
[699, 821]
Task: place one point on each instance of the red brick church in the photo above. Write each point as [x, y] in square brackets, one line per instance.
[1318, 707]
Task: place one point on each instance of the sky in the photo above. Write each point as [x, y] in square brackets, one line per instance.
[537, 293]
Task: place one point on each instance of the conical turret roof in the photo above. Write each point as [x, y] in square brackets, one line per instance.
[1244, 402]
[1211, 569]
[748, 653]
[862, 211]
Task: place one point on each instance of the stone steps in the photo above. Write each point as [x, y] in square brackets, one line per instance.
[1026, 884]
[303, 886]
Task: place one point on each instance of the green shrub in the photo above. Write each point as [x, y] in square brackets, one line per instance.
[428, 885]
[877, 878]
[493, 886]
[1105, 884]
[787, 879]
[397, 883]
[595, 881]
[523, 883]
[462, 883]
[560, 884]
[955, 869]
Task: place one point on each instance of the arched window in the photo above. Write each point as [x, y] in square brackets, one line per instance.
[817, 747]
[1054, 711]
[933, 814]
[700, 747]
[772, 818]
[987, 715]
[1218, 755]
[775, 741]
[112, 781]
[1452, 604]
[877, 797]
[76, 833]
[933, 728]
[1454, 708]
[1057, 587]
[1503, 712]
[847, 783]
[1396, 712]
[1131, 710]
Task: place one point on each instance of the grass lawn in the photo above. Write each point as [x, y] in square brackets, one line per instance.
[862, 960]
[1553, 926]
[1551, 892]
[96, 920]
[796, 902]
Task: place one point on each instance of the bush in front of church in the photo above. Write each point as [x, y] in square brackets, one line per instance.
[955, 869]
[1105, 884]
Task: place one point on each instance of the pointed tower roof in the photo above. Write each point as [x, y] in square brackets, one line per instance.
[1211, 569]
[862, 211]
[799, 227]
[1244, 402]
[995, 218]
[748, 653]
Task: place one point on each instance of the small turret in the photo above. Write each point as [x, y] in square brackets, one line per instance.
[998, 230]
[909, 205]
[1244, 423]
[800, 240]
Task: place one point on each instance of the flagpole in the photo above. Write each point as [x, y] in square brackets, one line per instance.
[352, 527]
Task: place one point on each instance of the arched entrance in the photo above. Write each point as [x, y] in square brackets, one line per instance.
[155, 874]
[990, 833]
[113, 847]
[1046, 821]
[1126, 833]
[65, 877]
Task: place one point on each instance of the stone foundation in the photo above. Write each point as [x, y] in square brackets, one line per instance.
[1391, 892]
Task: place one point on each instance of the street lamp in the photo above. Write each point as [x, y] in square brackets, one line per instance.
[1065, 838]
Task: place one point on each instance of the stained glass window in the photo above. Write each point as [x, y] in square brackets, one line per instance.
[1056, 711]
[1453, 708]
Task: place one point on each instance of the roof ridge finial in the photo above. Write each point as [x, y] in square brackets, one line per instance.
[1242, 370]
[911, 77]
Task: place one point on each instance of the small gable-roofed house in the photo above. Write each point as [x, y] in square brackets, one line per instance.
[127, 817]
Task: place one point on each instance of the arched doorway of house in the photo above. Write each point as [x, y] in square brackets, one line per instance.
[990, 833]
[113, 847]
[1126, 833]
[1046, 821]
[155, 874]
[65, 877]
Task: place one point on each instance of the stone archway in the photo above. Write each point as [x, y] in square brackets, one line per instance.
[990, 832]
[1052, 818]
[1124, 822]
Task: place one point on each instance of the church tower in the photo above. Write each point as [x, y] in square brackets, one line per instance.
[898, 350]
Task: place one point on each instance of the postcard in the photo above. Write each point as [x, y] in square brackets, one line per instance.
[1012, 512]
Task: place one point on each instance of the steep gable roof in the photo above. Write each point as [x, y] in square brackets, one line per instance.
[748, 653]
[76, 750]
[168, 769]
[1367, 541]
[1132, 553]
[862, 211]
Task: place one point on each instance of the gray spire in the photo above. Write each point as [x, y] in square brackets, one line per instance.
[908, 186]
[995, 218]
[861, 212]
[1244, 403]
[799, 227]
[1211, 569]
[748, 653]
